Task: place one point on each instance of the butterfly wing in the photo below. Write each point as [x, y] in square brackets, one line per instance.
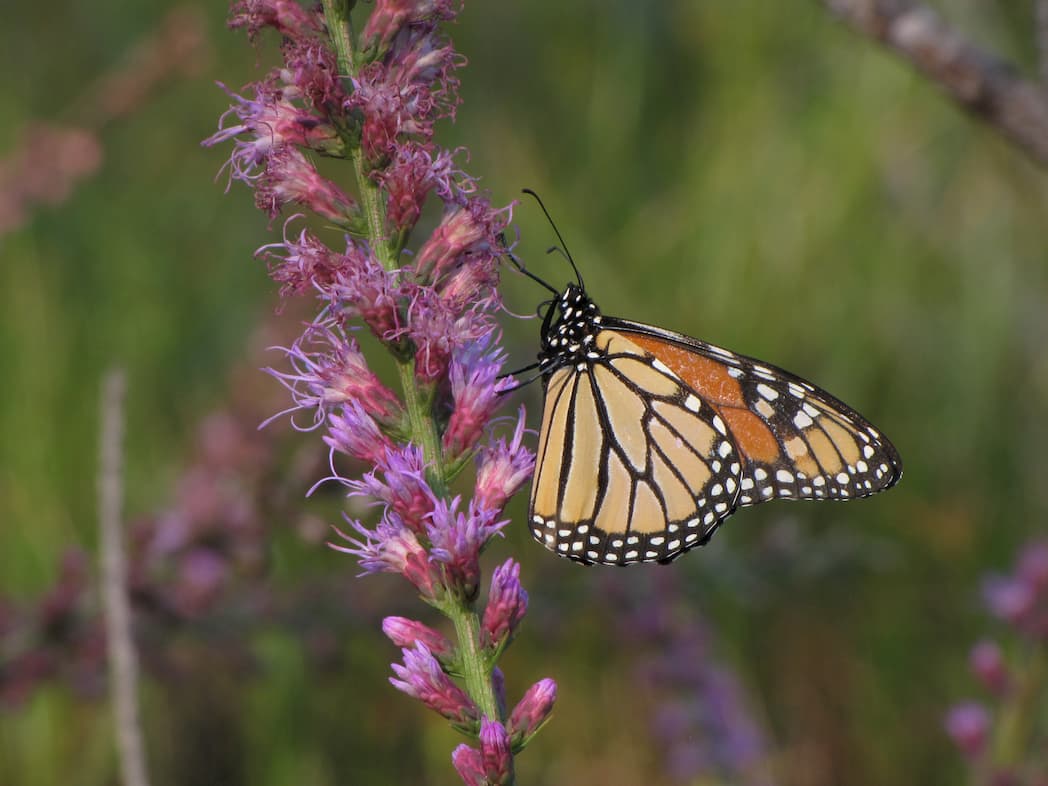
[632, 465]
[796, 440]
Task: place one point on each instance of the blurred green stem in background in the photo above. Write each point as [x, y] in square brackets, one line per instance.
[1019, 715]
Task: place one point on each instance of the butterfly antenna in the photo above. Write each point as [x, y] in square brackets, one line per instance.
[520, 267]
[564, 246]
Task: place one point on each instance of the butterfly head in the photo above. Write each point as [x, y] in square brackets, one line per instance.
[569, 328]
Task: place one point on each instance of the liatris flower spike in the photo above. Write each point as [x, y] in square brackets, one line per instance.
[372, 100]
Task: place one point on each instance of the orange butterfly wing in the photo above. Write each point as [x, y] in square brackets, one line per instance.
[799, 442]
[650, 439]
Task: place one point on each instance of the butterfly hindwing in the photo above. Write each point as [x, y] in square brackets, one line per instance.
[797, 441]
[632, 466]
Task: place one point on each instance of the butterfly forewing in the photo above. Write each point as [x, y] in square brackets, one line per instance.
[632, 465]
[796, 441]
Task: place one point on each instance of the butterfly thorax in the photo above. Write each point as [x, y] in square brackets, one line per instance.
[569, 330]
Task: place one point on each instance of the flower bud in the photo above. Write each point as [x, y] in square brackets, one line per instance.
[495, 753]
[987, 663]
[407, 633]
[507, 604]
[469, 765]
[968, 725]
[422, 677]
[531, 712]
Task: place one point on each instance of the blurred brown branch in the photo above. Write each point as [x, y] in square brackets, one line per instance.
[52, 157]
[123, 660]
[981, 82]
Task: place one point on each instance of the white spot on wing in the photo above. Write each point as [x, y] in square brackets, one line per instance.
[802, 421]
[660, 366]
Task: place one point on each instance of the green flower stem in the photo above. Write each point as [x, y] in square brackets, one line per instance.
[1019, 714]
[476, 666]
[423, 427]
[340, 26]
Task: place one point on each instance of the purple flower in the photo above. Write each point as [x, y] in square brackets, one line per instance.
[401, 96]
[363, 288]
[503, 468]
[311, 71]
[355, 433]
[495, 752]
[202, 576]
[286, 16]
[458, 538]
[409, 633]
[498, 684]
[462, 255]
[393, 548]
[268, 123]
[1009, 599]
[471, 230]
[422, 677]
[987, 663]
[968, 725]
[1021, 599]
[475, 390]
[998, 741]
[290, 178]
[392, 111]
[531, 712]
[390, 16]
[701, 718]
[330, 370]
[1033, 566]
[301, 265]
[402, 488]
[432, 309]
[469, 765]
[507, 604]
[413, 172]
[439, 331]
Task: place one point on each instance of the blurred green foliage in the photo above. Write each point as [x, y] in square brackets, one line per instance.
[748, 173]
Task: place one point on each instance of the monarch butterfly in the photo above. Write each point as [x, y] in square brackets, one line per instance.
[650, 438]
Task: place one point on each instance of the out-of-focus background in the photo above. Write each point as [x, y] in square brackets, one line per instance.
[750, 173]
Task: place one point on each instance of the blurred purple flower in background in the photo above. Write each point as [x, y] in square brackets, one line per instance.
[372, 100]
[1005, 739]
[700, 714]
